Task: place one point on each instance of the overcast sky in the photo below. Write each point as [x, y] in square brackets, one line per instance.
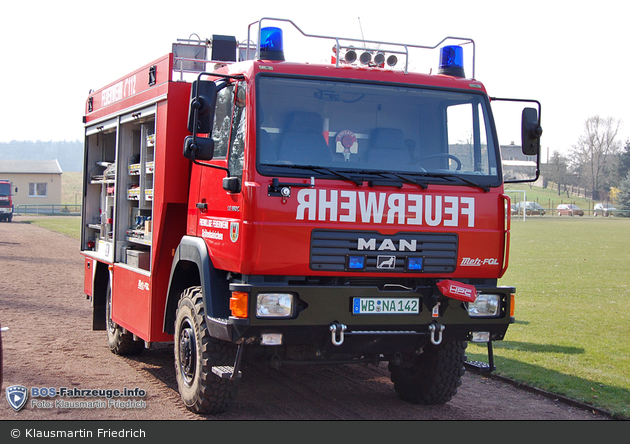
[571, 56]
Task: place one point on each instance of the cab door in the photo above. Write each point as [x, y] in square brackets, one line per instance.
[220, 213]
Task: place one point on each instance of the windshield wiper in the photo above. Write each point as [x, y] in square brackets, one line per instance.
[358, 182]
[411, 180]
[450, 176]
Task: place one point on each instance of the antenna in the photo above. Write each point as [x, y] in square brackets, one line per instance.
[361, 28]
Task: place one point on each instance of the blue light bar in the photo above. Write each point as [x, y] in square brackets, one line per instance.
[271, 46]
[452, 61]
[355, 262]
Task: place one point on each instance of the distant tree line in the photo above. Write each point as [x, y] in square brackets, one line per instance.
[68, 154]
[598, 162]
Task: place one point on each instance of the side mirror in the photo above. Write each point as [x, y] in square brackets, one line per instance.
[16, 189]
[202, 102]
[198, 148]
[530, 132]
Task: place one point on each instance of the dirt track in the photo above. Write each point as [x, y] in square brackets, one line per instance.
[50, 344]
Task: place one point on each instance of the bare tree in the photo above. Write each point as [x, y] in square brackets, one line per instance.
[557, 170]
[593, 148]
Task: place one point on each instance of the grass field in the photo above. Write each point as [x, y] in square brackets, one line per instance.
[572, 325]
[71, 188]
[571, 335]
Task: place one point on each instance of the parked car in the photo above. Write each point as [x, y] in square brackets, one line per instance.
[513, 210]
[604, 209]
[530, 208]
[569, 210]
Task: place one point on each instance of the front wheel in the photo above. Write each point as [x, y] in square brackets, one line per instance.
[433, 376]
[196, 352]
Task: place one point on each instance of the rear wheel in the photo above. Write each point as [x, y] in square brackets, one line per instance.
[432, 377]
[119, 341]
[196, 352]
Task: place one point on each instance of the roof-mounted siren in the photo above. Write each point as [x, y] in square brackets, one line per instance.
[351, 55]
[365, 58]
[271, 45]
[452, 61]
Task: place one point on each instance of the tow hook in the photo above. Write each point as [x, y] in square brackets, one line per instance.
[337, 328]
[432, 329]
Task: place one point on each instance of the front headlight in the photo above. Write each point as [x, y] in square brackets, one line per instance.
[485, 306]
[274, 305]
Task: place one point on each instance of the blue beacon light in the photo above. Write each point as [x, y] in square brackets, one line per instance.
[452, 61]
[271, 47]
[414, 263]
[355, 262]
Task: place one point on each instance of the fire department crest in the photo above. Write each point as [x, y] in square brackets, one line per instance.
[17, 396]
[233, 231]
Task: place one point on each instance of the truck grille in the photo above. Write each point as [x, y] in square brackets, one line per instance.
[330, 249]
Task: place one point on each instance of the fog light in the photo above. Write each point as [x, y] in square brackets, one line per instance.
[486, 305]
[274, 305]
[271, 339]
[481, 336]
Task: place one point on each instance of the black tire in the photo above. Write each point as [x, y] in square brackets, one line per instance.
[434, 376]
[196, 352]
[119, 341]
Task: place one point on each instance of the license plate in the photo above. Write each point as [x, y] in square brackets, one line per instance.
[385, 306]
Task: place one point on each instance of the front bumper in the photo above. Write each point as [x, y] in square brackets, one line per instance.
[320, 310]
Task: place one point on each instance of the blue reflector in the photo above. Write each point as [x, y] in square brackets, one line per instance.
[271, 47]
[414, 263]
[355, 262]
[452, 61]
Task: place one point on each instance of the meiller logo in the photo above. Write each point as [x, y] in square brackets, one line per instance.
[476, 262]
[395, 208]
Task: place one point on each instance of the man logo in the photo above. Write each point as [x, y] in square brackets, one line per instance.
[386, 262]
[17, 396]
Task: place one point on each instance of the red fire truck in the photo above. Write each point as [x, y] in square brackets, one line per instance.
[6, 200]
[244, 206]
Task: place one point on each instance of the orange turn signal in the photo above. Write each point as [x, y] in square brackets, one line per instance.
[238, 304]
[512, 305]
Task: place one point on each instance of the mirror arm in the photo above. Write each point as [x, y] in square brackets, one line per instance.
[196, 162]
[538, 130]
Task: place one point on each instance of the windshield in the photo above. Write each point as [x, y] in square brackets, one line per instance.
[367, 129]
[5, 189]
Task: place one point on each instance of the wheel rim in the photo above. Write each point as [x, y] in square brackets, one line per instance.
[187, 354]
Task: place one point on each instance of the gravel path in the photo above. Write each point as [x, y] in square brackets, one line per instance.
[50, 344]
